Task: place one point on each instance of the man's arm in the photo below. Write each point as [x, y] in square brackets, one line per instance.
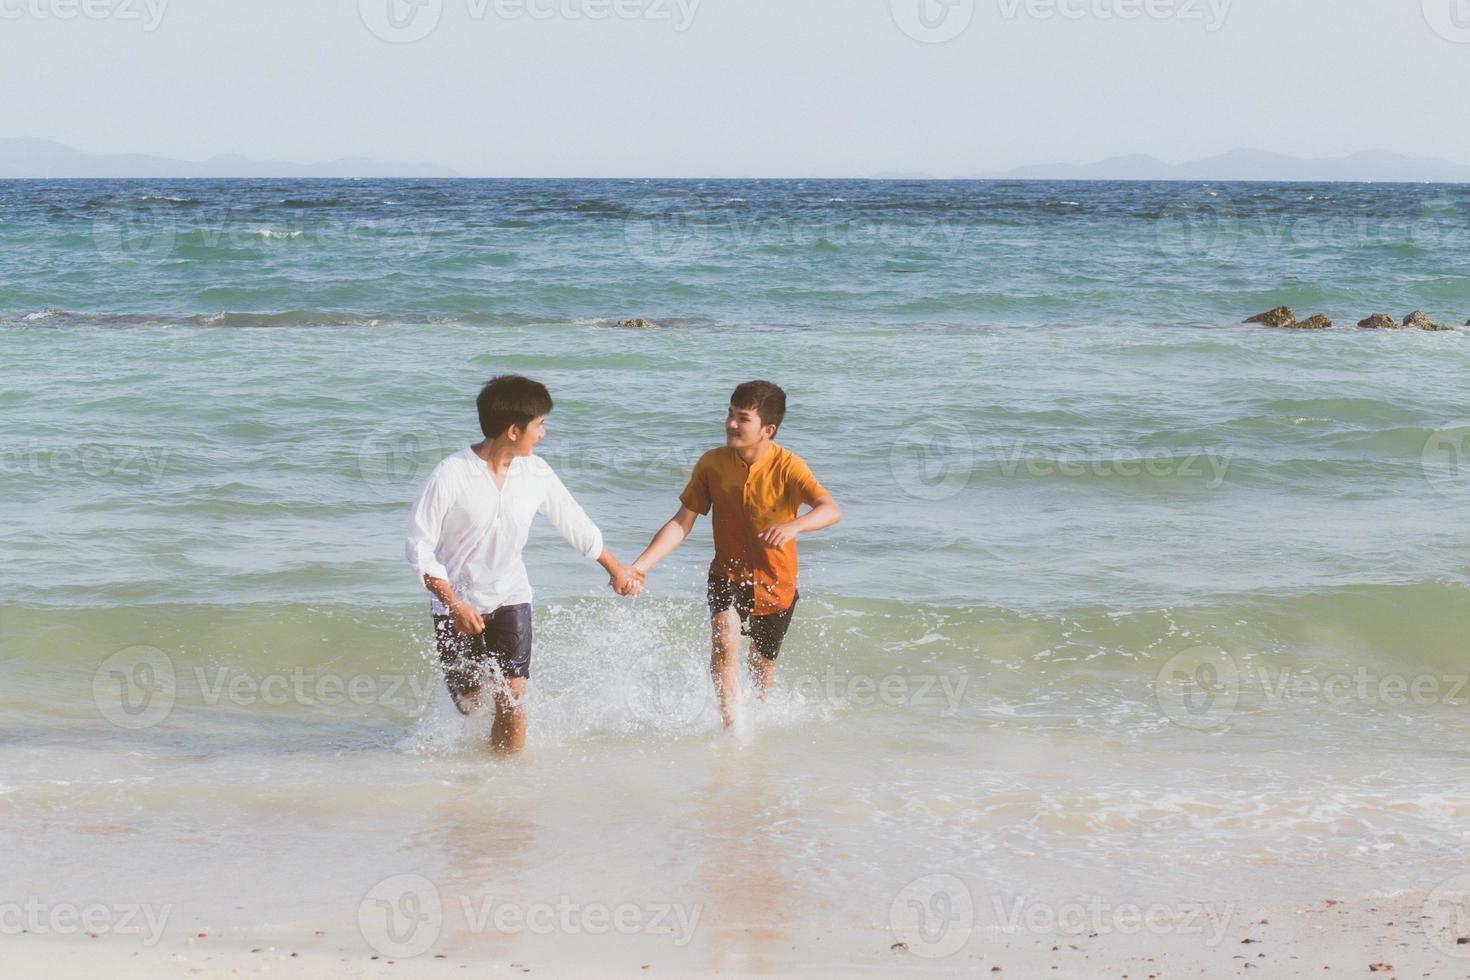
[561, 508]
[466, 619]
[425, 526]
[824, 514]
[669, 537]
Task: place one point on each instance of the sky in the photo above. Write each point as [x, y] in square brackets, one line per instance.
[738, 88]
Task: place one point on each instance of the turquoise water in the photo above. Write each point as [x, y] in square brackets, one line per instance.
[1070, 479]
[779, 253]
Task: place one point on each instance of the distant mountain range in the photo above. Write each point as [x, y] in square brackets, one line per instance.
[1371, 165]
[25, 157]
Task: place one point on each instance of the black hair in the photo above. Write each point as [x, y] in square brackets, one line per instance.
[768, 400]
[511, 400]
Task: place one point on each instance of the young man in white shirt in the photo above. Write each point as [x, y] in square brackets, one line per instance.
[466, 533]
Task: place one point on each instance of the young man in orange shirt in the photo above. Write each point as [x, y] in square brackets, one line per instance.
[755, 488]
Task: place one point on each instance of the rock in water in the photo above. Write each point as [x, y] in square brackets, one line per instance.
[638, 324]
[1319, 321]
[1380, 321]
[1282, 316]
[1421, 320]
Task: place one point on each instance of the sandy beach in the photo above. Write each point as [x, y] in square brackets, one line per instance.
[1364, 937]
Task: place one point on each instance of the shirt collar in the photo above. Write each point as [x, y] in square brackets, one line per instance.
[765, 460]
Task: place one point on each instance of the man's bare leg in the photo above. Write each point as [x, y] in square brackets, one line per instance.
[508, 733]
[724, 663]
[762, 672]
[470, 704]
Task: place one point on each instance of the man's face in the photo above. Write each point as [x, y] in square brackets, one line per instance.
[743, 428]
[526, 439]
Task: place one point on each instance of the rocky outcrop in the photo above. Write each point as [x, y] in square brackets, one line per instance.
[1319, 321]
[1421, 320]
[1282, 316]
[637, 324]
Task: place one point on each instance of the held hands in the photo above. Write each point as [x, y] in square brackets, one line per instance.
[778, 535]
[627, 580]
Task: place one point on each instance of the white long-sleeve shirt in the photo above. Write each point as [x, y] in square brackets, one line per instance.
[469, 532]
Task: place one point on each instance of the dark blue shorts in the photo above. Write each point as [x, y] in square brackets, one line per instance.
[766, 633]
[504, 649]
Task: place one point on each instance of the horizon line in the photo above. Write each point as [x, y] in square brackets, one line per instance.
[894, 180]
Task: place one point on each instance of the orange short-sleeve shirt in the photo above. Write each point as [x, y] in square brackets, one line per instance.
[746, 500]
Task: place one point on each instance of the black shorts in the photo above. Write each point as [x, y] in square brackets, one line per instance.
[766, 633]
[504, 648]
